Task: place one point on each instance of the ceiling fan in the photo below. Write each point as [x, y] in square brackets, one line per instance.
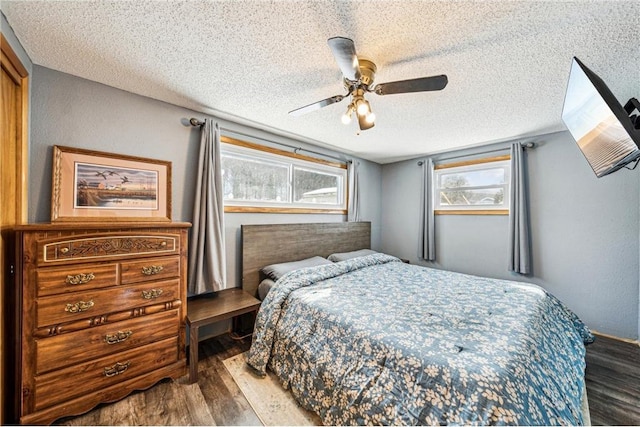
[358, 75]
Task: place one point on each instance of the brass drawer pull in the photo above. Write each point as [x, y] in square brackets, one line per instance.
[80, 279]
[116, 369]
[117, 337]
[151, 294]
[79, 306]
[151, 270]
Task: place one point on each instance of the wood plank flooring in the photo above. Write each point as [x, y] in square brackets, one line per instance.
[613, 387]
[613, 382]
[214, 400]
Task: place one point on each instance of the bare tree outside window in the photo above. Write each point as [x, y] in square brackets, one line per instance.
[252, 180]
[255, 178]
[314, 187]
[472, 186]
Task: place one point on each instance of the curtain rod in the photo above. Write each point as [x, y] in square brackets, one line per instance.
[528, 145]
[195, 122]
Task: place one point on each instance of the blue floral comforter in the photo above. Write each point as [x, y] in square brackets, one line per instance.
[373, 340]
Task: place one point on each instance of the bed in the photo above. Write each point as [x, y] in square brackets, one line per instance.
[374, 340]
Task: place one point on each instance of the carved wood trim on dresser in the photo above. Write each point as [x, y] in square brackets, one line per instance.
[101, 312]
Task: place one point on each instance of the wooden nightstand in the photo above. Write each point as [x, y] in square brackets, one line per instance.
[227, 304]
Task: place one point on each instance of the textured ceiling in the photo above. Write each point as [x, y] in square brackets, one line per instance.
[253, 61]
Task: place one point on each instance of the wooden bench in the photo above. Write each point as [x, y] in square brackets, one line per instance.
[201, 311]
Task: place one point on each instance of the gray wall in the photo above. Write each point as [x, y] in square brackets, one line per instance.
[70, 111]
[585, 242]
[584, 233]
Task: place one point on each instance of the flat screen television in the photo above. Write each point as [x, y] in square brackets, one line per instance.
[600, 125]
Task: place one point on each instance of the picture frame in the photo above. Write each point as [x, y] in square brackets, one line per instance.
[92, 185]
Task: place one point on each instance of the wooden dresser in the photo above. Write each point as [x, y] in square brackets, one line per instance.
[101, 312]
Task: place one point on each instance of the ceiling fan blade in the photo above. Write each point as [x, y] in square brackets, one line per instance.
[362, 122]
[422, 84]
[316, 105]
[344, 51]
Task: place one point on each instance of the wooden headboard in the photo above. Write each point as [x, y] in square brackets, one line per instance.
[263, 245]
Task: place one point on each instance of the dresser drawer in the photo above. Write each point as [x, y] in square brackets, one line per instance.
[150, 269]
[105, 247]
[51, 281]
[75, 347]
[67, 383]
[63, 308]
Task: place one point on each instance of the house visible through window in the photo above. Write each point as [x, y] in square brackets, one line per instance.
[261, 179]
[475, 187]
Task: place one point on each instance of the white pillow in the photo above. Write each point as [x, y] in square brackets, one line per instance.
[276, 271]
[342, 256]
[264, 287]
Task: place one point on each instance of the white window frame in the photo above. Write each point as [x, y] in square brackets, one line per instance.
[291, 161]
[471, 166]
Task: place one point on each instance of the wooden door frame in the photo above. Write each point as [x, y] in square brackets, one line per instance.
[11, 63]
[10, 57]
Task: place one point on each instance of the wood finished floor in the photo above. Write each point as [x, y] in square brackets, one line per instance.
[613, 387]
[613, 382]
[214, 400]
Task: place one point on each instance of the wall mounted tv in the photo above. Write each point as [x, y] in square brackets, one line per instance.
[602, 128]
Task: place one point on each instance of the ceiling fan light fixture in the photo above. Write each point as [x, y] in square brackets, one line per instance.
[358, 75]
[370, 118]
[346, 117]
[363, 108]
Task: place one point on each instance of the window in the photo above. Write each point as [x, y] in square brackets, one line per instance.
[475, 187]
[262, 179]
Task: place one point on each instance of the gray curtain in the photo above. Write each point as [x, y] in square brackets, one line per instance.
[207, 262]
[519, 248]
[353, 213]
[427, 250]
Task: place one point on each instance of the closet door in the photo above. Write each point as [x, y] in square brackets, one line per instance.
[14, 92]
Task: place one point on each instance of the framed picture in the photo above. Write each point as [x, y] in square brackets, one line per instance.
[95, 186]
